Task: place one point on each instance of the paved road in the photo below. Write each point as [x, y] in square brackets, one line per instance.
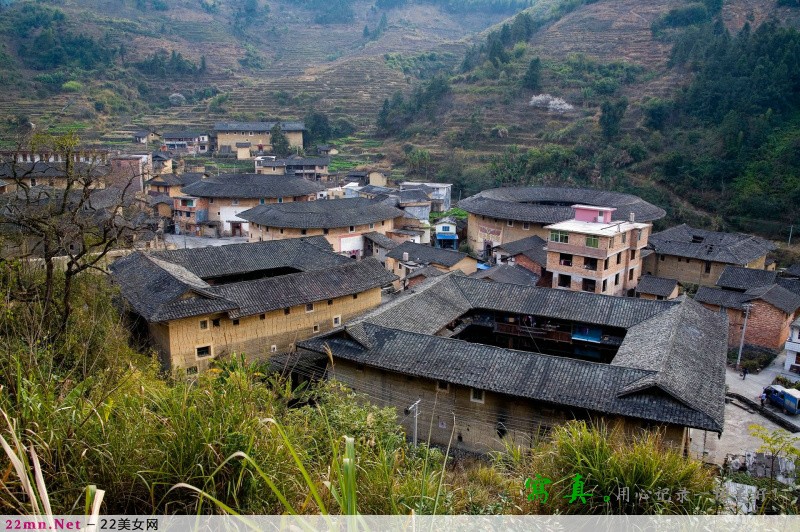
[189, 241]
[752, 386]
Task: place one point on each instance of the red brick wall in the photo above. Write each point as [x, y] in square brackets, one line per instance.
[767, 326]
[528, 264]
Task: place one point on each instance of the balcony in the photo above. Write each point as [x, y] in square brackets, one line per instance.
[793, 346]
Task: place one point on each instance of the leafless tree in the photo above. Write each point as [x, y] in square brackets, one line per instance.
[63, 213]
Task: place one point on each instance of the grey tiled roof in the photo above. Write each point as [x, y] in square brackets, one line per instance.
[45, 169]
[427, 272]
[248, 186]
[730, 248]
[382, 240]
[793, 270]
[738, 278]
[176, 179]
[160, 290]
[304, 254]
[160, 198]
[776, 295]
[507, 273]
[658, 286]
[792, 285]
[553, 204]
[413, 196]
[425, 254]
[531, 247]
[321, 214]
[606, 388]
[258, 126]
[183, 135]
[307, 161]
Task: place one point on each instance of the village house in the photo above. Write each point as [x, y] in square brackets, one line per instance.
[52, 174]
[439, 193]
[792, 363]
[255, 299]
[131, 171]
[311, 168]
[446, 233]
[745, 293]
[343, 222]
[171, 184]
[146, 137]
[660, 288]
[697, 256]
[188, 142]
[530, 253]
[212, 205]
[496, 363]
[593, 254]
[409, 256]
[378, 245]
[163, 163]
[502, 215]
[257, 134]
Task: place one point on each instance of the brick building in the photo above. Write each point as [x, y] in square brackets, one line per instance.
[651, 287]
[697, 256]
[342, 222]
[507, 362]
[257, 134]
[502, 215]
[772, 308]
[591, 254]
[197, 305]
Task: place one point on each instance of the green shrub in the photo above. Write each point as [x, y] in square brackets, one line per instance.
[72, 86]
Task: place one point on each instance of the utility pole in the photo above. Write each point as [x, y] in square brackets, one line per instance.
[746, 307]
[791, 228]
[415, 407]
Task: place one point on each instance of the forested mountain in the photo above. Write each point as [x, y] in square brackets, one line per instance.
[691, 104]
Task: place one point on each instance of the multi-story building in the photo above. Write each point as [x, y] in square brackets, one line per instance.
[697, 256]
[257, 134]
[343, 222]
[591, 253]
[311, 168]
[225, 197]
[253, 299]
[192, 142]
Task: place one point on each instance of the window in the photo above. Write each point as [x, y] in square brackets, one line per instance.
[442, 386]
[611, 242]
[372, 226]
[261, 201]
[589, 285]
[215, 322]
[337, 320]
[592, 241]
[564, 281]
[33, 182]
[187, 203]
[661, 257]
[605, 264]
[630, 274]
[325, 231]
[273, 349]
[605, 284]
[204, 351]
[616, 279]
[445, 228]
[286, 311]
[624, 237]
[619, 258]
[316, 327]
[352, 229]
[511, 223]
[590, 264]
[203, 325]
[565, 259]
[262, 316]
[476, 396]
[281, 230]
[526, 226]
[309, 307]
[559, 236]
[303, 231]
[191, 370]
[708, 266]
[234, 202]
[383, 222]
[639, 235]
[633, 254]
[280, 200]
[355, 296]
[235, 322]
[330, 302]
[211, 200]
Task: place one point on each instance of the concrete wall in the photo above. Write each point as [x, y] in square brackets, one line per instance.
[692, 271]
[474, 426]
[254, 337]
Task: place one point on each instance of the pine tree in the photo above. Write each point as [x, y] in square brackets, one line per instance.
[366, 31]
[280, 144]
[532, 78]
